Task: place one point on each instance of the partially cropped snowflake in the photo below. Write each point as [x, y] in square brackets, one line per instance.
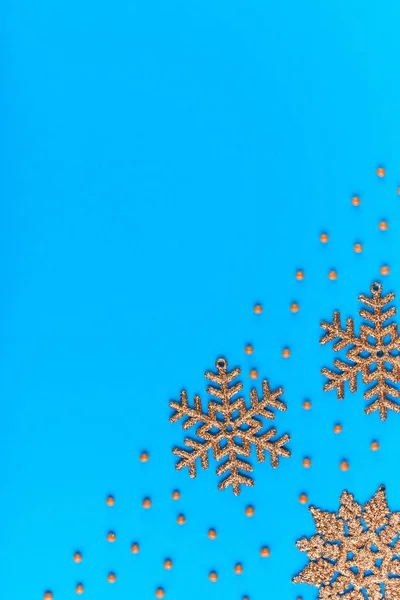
[229, 428]
[374, 353]
[355, 552]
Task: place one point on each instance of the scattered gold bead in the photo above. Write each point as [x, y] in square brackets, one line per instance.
[344, 465]
[385, 270]
[181, 519]
[332, 275]
[338, 428]
[168, 564]
[77, 557]
[374, 446]
[380, 172]
[303, 498]
[299, 275]
[110, 501]
[144, 457]
[146, 503]
[249, 349]
[249, 512]
[111, 578]
[355, 201]
[160, 593]
[213, 576]
[79, 588]
[358, 248]
[398, 190]
[111, 537]
[258, 309]
[135, 548]
[383, 225]
[48, 596]
[253, 374]
[265, 552]
[176, 495]
[306, 463]
[238, 569]
[286, 353]
[323, 238]
[294, 308]
[306, 405]
[212, 534]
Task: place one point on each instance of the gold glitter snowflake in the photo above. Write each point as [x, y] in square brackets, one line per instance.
[229, 428]
[355, 552]
[376, 345]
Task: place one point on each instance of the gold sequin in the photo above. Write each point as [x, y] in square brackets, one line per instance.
[337, 428]
[48, 596]
[160, 593]
[286, 353]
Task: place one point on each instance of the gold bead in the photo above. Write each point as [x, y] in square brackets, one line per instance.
[306, 405]
[303, 498]
[258, 309]
[338, 428]
[144, 457]
[253, 374]
[249, 512]
[265, 552]
[374, 446]
[306, 463]
[383, 225]
[213, 576]
[176, 495]
[238, 568]
[111, 537]
[111, 578]
[323, 238]
[181, 519]
[48, 596]
[358, 248]
[212, 534]
[294, 308]
[160, 593]
[79, 588]
[168, 564]
[385, 270]
[332, 275]
[380, 172]
[355, 201]
[344, 465]
[77, 557]
[146, 503]
[249, 349]
[299, 275]
[110, 501]
[286, 353]
[135, 548]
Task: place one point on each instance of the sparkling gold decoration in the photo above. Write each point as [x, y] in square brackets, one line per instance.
[363, 353]
[354, 553]
[48, 596]
[245, 426]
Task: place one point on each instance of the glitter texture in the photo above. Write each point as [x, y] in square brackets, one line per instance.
[219, 435]
[354, 552]
[364, 353]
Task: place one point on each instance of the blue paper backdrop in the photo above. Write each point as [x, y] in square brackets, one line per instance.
[164, 166]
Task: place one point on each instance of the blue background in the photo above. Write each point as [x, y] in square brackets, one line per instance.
[164, 166]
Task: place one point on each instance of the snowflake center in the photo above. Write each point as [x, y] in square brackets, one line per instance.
[229, 429]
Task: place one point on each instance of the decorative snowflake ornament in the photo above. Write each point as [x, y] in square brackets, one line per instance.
[355, 552]
[229, 428]
[374, 353]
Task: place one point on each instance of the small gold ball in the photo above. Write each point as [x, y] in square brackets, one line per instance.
[168, 564]
[135, 548]
[111, 537]
[144, 457]
[249, 349]
[238, 568]
[265, 552]
[176, 495]
[110, 501]
[385, 270]
[306, 405]
[303, 498]
[146, 503]
[111, 578]
[181, 519]
[212, 534]
[79, 588]
[77, 557]
[374, 446]
[48, 596]
[380, 172]
[344, 465]
[299, 275]
[213, 576]
[286, 353]
[398, 190]
[323, 238]
[160, 593]
[358, 248]
[306, 463]
[332, 275]
[355, 201]
[383, 225]
[253, 374]
[294, 308]
[338, 428]
[249, 512]
[258, 309]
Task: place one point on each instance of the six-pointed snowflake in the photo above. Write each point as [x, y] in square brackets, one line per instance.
[229, 428]
[376, 345]
[355, 553]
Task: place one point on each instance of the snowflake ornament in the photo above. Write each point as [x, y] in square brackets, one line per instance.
[229, 428]
[355, 552]
[377, 344]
